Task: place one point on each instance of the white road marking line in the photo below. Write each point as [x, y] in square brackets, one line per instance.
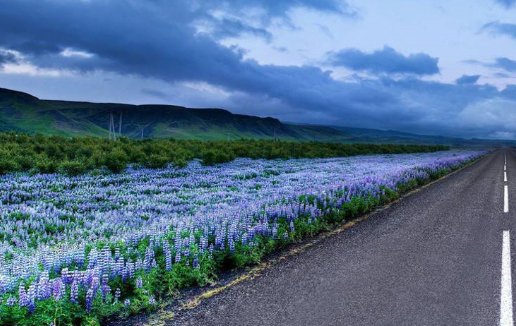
[505, 167]
[505, 199]
[505, 176]
[506, 318]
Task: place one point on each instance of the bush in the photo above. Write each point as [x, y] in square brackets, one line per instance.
[45, 165]
[8, 165]
[208, 158]
[71, 168]
[49, 154]
[212, 157]
[180, 162]
[156, 161]
[116, 160]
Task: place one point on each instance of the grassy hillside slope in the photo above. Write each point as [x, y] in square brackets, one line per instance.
[21, 112]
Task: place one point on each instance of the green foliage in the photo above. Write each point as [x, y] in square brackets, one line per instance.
[212, 157]
[8, 164]
[156, 161]
[71, 168]
[116, 160]
[74, 156]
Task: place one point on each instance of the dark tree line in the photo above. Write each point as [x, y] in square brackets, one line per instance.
[73, 156]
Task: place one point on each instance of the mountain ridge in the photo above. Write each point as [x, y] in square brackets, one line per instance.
[23, 112]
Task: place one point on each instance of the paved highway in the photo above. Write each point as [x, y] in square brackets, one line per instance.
[441, 256]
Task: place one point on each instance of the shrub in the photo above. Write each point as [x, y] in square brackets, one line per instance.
[208, 158]
[7, 165]
[212, 157]
[45, 165]
[71, 168]
[46, 154]
[156, 161]
[116, 160]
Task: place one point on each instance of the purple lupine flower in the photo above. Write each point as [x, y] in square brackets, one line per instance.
[90, 296]
[23, 300]
[139, 282]
[57, 289]
[178, 241]
[105, 289]
[31, 297]
[74, 292]
[118, 293]
[149, 260]
[11, 301]
[66, 276]
[131, 269]
[231, 245]
[110, 209]
[186, 251]
[44, 289]
[167, 254]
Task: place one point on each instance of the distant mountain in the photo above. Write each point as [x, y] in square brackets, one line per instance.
[397, 137]
[25, 113]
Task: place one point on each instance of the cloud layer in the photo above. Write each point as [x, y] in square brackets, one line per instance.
[506, 64]
[169, 42]
[387, 61]
[468, 79]
[497, 27]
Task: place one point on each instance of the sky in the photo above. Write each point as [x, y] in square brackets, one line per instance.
[428, 66]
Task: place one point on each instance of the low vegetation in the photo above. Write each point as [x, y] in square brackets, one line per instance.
[74, 156]
[76, 250]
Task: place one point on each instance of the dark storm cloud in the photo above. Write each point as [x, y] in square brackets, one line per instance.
[155, 93]
[152, 40]
[229, 27]
[445, 108]
[280, 8]
[467, 79]
[158, 39]
[127, 37]
[387, 61]
[235, 25]
[7, 57]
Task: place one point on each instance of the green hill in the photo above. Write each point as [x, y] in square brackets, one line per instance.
[25, 113]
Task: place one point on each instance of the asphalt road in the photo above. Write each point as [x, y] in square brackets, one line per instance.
[434, 258]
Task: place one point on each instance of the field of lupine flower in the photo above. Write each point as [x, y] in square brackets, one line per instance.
[74, 250]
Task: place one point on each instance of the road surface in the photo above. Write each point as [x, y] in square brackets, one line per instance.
[441, 256]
